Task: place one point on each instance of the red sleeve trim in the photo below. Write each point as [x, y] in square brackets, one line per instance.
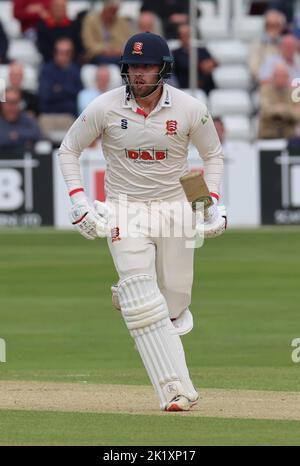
[74, 191]
[216, 196]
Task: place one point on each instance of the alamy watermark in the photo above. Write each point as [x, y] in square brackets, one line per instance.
[157, 219]
[296, 352]
[2, 350]
[2, 90]
[296, 92]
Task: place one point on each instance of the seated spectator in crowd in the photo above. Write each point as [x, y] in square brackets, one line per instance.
[17, 129]
[294, 143]
[269, 43]
[77, 27]
[59, 85]
[289, 55]
[294, 27]
[104, 34]
[258, 7]
[29, 13]
[102, 82]
[206, 63]
[3, 45]
[54, 27]
[286, 7]
[29, 100]
[149, 22]
[171, 12]
[278, 113]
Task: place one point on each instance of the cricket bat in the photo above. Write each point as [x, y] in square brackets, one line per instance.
[196, 189]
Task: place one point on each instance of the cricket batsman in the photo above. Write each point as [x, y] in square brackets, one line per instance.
[145, 127]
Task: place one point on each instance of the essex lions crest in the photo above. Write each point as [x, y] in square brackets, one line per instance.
[137, 48]
[171, 127]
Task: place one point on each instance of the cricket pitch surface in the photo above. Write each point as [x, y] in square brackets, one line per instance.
[136, 399]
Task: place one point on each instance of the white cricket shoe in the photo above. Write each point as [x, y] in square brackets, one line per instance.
[180, 403]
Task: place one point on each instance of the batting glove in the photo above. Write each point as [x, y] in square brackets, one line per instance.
[215, 220]
[91, 221]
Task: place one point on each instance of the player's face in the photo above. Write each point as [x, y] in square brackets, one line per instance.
[143, 78]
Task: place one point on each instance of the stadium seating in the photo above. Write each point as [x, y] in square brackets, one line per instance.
[230, 102]
[226, 30]
[10, 24]
[23, 50]
[75, 7]
[173, 44]
[213, 28]
[199, 94]
[232, 77]
[229, 52]
[247, 27]
[238, 127]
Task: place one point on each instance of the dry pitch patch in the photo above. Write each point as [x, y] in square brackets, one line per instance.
[129, 399]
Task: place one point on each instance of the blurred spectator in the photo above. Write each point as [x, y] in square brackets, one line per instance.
[278, 113]
[171, 12]
[60, 82]
[294, 143]
[295, 25]
[3, 45]
[54, 27]
[77, 27]
[29, 100]
[104, 34]
[102, 82]
[269, 43]
[29, 13]
[286, 7]
[289, 55]
[206, 63]
[149, 22]
[59, 85]
[17, 129]
[258, 7]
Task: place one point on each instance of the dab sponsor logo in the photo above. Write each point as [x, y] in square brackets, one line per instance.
[146, 155]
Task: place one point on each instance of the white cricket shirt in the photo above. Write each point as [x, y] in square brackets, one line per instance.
[145, 155]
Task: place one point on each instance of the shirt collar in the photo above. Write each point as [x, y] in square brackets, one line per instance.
[164, 101]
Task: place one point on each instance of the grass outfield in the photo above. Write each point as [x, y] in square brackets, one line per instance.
[55, 428]
[59, 325]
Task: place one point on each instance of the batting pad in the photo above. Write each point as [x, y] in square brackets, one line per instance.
[146, 315]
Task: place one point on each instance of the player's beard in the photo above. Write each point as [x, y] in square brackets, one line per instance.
[141, 89]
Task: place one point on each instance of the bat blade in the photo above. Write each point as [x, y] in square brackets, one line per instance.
[196, 189]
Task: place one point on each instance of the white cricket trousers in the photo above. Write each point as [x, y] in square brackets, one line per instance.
[167, 259]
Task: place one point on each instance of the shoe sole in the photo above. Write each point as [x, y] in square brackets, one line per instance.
[176, 407]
